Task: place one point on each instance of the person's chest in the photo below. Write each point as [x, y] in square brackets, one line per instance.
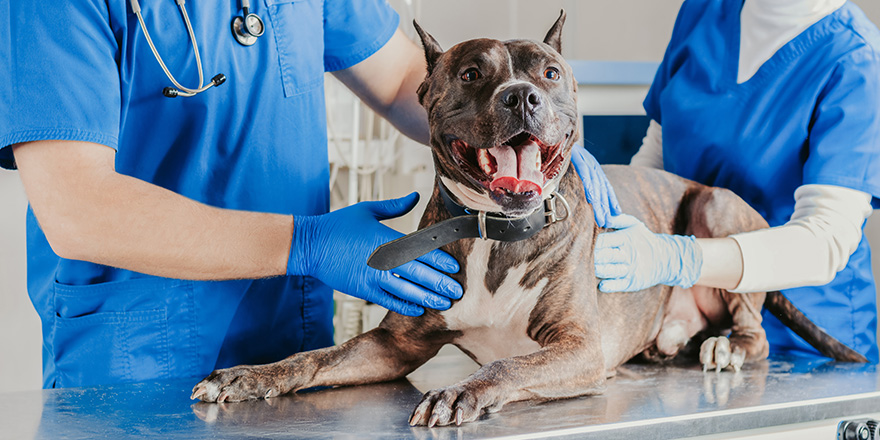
[750, 137]
[218, 145]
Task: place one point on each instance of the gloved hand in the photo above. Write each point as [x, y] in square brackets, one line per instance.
[634, 258]
[334, 248]
[600, 194]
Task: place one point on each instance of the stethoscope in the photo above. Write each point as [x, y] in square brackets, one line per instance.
[245, 29]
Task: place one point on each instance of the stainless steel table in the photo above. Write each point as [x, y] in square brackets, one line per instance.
[643, 401]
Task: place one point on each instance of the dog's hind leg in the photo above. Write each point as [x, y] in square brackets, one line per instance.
[747, 341]
[391, 351]
[720, 213]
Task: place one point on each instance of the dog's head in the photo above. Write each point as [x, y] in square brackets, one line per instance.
[503, 118]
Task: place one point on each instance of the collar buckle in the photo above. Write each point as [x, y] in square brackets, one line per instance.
[481, 225]
[551, 214]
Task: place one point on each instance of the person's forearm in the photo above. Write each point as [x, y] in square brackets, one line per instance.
[404, 111]
[809, 250]
[142, 227]
[722, 263]
[388, 80]
[116, 220]
[650, 154]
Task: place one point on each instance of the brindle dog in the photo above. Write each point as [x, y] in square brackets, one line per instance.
[503, 118]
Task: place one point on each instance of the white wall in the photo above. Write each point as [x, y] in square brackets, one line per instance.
[621, 30]
[20, 338]
[872, 229]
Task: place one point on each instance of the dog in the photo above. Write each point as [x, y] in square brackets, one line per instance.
[503, 119]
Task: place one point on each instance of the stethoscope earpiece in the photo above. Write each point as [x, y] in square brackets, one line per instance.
[171, 92]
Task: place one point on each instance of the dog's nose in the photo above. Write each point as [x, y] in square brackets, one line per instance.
[521, 98]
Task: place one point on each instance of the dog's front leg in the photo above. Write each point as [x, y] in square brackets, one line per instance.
[564, 368]
[391, 351]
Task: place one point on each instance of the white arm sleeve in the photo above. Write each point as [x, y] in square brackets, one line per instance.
[650, 154]
[812, 247]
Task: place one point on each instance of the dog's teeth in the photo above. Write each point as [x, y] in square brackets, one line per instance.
[483, 159]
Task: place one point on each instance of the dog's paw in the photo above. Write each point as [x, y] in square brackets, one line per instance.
[236, 384]
[445, 406]
[716, 353]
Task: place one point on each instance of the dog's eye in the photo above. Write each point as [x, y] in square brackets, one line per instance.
[551, 73]
[471, 75]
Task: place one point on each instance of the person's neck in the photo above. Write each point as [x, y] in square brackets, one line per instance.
[791, 8]
[767, 25]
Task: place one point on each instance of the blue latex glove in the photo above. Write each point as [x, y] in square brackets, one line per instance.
[634, 258]
[334, 248]
[600, 194]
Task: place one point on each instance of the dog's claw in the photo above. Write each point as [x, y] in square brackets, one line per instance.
[444, 407]
[737, 359]
[197, 393]
[242, 383]
[718, 353]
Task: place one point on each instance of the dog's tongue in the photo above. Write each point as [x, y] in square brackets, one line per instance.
[518, 168]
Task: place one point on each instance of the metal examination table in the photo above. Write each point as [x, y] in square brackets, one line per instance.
[643, 401]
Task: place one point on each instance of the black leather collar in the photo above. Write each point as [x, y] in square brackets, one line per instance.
[466, 224]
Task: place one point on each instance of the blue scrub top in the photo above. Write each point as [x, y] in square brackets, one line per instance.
[808, 116]
[82, 70]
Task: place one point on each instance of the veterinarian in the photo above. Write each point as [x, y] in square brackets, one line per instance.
[175, 160]
[778, 101]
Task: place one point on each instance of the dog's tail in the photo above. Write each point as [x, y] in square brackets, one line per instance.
[794, 319]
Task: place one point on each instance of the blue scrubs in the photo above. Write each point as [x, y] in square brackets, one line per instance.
[82, 70]
[808, 116]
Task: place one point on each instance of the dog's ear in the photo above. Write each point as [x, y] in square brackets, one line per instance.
[432, 48]
[422, 90]
[554, 35]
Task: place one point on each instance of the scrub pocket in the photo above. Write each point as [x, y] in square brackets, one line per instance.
[299, 38]
[124, 331]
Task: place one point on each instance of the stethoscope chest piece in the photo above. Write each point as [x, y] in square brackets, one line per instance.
[247, 29]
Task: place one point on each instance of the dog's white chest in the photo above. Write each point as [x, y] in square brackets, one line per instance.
[494, 325]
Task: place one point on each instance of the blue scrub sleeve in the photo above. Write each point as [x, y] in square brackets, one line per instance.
[661, 78]
[63, 78]
[5, 89]
[684, 22]
[355, 30]
[844, 142]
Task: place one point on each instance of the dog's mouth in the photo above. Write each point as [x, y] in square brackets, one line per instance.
[520, 166]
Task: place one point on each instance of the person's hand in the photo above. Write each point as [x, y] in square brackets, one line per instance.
[334, 248]
[634, 258]
[600, 194]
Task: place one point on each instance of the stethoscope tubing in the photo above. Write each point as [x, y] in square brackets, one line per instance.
[184, 91]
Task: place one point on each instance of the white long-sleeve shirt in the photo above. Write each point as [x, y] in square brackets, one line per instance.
[767, 25]
[826, 226]
[808, 250]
